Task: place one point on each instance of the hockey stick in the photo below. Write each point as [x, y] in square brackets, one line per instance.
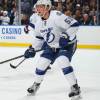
[11, 59]
[15, 66]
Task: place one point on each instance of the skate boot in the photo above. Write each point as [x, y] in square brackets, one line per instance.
[75, 92]
[33, 89]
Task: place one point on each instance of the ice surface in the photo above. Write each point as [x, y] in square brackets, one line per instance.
[14, 82]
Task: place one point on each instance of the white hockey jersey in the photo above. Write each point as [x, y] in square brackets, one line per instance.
[36, 43]
[55, 27]
[5, 20]
[34, 18]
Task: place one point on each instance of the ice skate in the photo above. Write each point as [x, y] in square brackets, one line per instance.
[33, 89]
[75, 92]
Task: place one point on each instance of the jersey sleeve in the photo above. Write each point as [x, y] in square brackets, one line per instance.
[63, 21]
[67, 24]
[37, 43]
[33, 18]
[37, 39]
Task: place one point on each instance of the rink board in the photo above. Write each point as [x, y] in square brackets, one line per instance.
[88, 37]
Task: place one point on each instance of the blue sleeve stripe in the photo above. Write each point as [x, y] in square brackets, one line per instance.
[75, 24]
[40, 72]
[74, 38]
[32, 25]
[39, 37]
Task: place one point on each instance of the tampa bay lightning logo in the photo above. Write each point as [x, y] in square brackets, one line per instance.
[49, 36]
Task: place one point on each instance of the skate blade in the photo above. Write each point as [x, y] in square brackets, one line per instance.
[31, 94]
[78, 97]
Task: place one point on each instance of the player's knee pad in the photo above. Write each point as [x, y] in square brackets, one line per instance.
[63, 61]
[67, 70]
[40, 72]
[42, 63]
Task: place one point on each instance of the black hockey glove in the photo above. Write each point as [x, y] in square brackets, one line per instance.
[26, 30]
[29, 53]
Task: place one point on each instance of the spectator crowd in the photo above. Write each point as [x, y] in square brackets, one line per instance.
[85, 11]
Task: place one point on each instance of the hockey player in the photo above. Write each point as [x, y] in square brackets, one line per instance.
[59, 33]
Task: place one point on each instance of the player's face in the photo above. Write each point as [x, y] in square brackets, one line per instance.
[41, 10]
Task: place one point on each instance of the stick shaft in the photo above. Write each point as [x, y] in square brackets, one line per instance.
[14, 58]
[20, 62]
[11, 59]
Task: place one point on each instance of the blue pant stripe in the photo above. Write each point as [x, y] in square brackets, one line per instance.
[67, 70]
[40, 72]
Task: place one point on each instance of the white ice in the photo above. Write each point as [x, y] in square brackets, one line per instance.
[14, 82]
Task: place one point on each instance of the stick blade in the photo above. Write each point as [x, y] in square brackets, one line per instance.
[12, 66]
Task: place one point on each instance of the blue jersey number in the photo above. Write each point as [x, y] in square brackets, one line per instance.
[68, 20]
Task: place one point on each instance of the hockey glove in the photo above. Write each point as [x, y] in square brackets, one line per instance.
[26, 30]
[29, 53]
[63, 42]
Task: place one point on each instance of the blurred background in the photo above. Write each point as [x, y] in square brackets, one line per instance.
[17, 12]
